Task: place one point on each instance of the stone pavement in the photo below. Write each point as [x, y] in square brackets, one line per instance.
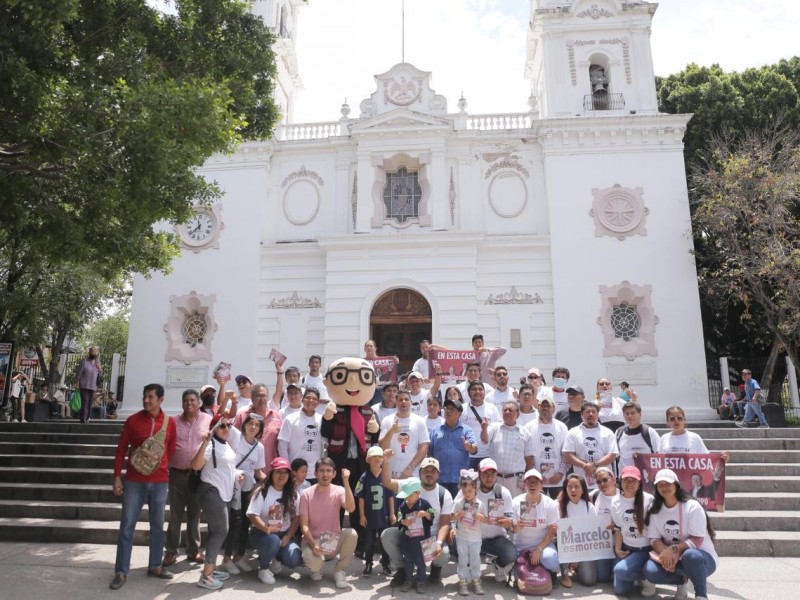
[83, 571]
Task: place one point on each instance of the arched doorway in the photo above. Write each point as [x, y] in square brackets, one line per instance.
[399, 320]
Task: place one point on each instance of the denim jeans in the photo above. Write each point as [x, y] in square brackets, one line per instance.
[630, 569]
[695, 564]
[269, 546]
[502, 548]
[592, 571]
[549, 557]
[391, 540]
[134, 496]
[469, 559]
[754, 409]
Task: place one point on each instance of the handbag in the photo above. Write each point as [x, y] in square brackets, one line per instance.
[75, 401]
[147, 457]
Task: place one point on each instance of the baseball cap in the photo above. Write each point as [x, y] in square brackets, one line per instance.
[532, 473]
[409, 487]
[416, 374]
[240, 378]
[747, 371]
[631, 471]
[575, 389]
[487, 464]
[455, 403]
[534, 371]
[429, 461]
[207, 387]
[546, 399]
[604, 470]
[293, 386]
[374, 451]
[280, 463]
[666, 475]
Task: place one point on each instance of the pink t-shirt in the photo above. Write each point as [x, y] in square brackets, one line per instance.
[322, 506]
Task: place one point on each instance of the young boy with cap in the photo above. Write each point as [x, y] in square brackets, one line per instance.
[376, 507]
[414, 517]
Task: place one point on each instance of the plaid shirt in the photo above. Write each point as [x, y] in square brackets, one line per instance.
[509, 446]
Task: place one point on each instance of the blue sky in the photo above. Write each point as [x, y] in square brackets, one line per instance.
[478, 46]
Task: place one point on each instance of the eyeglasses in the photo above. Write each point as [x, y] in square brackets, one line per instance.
[338, 375]
[677, 418]
[223, 426]
[604, 481]
[533, 377]
[604, 383]
[501, 374]
[509, 410]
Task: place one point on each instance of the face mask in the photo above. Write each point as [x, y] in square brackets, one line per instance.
[207, 400]
[560, 383]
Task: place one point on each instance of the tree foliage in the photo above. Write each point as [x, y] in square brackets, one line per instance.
[748, 216]
[727, 108]
[108, 107]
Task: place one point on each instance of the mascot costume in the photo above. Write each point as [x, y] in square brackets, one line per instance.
[349, 426]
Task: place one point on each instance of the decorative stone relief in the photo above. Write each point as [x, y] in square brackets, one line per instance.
[618, 211]
[451, 195]
[506, 163]
[626, 53]
[595, 12]
[354, 199]
[508, 194]
[301, 202]
[514, 297]
[383, 165]
[403, 86]
[573, 70]
[190, 327]
[294, 301]
[303, 173]
[627, 320]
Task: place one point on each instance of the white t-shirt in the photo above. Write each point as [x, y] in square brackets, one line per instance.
[432, 496]
[419, 403]
[590, 445]
[243, 403]
[666, 526]
[686, 443]
[501, 397]
[255, 457]
[224, 475]
[526, 418]
[580, 508]
[602, 504]
[635, 444]
[535, 519]
[433, 423]
[269, 509]
[299, 437]
[318, 382]
[611, 409]
[559, 399]
[548, 440]
[488, 528]
[624, 516]
[405, 442]
[488, 395]
[384, 412]
[287, 410]
[421, 365]
[469, 528]
[486, 410]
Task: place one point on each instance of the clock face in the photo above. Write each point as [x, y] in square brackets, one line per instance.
[200, 227]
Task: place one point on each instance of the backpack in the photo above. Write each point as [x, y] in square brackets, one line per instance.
[530, 580]
[147, 457]
[645, 436]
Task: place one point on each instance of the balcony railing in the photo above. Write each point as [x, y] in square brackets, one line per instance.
[499, 122]
[310, 131]
[603, 101]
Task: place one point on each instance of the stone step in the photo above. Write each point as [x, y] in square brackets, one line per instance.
[37, 461]
[749, 433]
[765, 456]
[755, 520]
[57, 492]
[65, 426]
[758, 501]
[753, 444]
[765, 485]
[52, 509]
[758, 543]
[762, 470]
[56, 449]
[70, 475]
[61, 437]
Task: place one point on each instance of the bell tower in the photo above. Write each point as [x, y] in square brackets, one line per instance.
[281, 17]
[591, 57]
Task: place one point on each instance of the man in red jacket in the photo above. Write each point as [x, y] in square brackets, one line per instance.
[139, 488]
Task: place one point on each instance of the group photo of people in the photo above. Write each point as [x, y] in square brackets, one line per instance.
[418, 480]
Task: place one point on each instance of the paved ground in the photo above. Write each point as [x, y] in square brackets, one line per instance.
[30, 571]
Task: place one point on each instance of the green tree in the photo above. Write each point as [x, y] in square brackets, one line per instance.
[108, 107]
[109, 333]
[748, 215]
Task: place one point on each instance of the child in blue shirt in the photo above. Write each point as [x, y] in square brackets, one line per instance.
[376, 507]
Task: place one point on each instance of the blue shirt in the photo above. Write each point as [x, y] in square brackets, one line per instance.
[447, 446]
[376, 500]
[750, 388]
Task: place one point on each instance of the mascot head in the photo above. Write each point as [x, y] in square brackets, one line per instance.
[350, 381]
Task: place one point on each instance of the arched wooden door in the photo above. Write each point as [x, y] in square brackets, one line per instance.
[399, 320]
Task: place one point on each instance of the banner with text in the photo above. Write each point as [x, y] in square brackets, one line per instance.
[453, 364]
[702, 475]
[584, 538]
[385, 369]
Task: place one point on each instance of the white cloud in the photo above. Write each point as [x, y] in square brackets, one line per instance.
[478, 46]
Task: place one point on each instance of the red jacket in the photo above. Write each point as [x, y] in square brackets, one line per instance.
[138, 427]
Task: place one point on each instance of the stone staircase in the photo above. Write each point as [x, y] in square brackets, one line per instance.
[55, 486]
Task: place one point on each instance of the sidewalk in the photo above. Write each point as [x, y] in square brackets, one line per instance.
[33, 572]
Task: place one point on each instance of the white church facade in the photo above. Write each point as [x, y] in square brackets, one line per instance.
[561, 233]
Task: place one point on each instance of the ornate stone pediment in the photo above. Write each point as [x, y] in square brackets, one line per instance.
[403, 86]
[399, 120]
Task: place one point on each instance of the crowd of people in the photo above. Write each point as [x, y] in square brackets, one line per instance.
[437, 473]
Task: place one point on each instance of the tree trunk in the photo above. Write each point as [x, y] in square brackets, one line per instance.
[772, 360]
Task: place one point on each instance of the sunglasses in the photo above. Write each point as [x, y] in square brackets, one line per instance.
[677, 418]
[604, 481]
[223, 426]
[533, 377]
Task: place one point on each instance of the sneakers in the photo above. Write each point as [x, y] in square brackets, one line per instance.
[230, 567]
[763, 426]
[209, 583]
[316, 575]
[243, 565]
[367, 570]
[463, 589]
[266, 576]
[221, 575]
[399, 577]
[275, 567]
[435, 576]
[340, 580]
[740, 424]
[476, 585]
[421, 587]
[680, 592]
[118, 581]
[501, 573]
[648, 588]
[406, 585]
[566, 579]
[387, 569]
